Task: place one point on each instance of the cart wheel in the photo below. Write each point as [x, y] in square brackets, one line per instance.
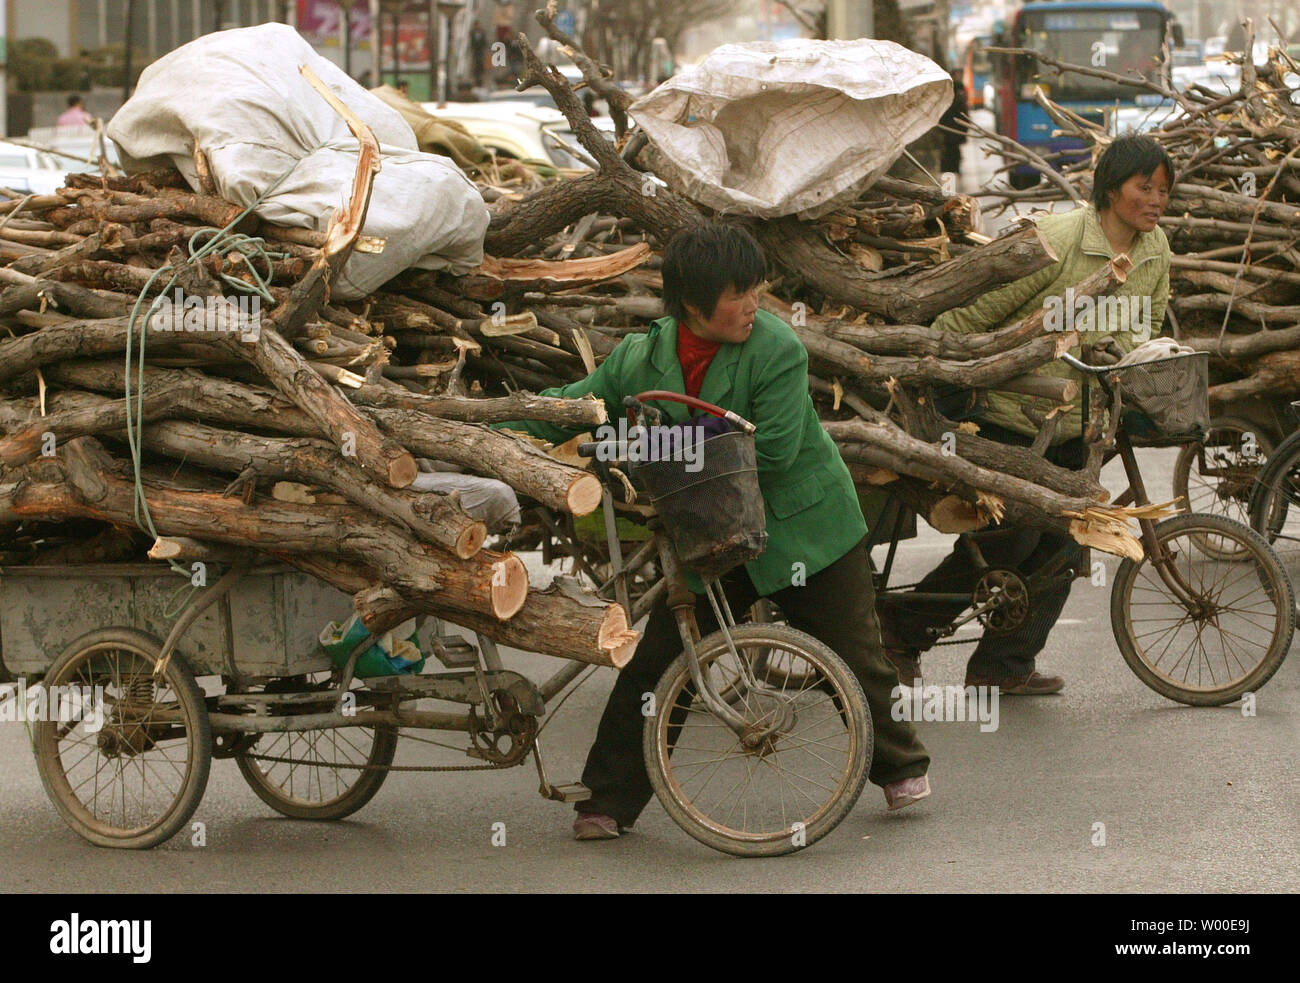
[1237, 634]
[131, 772]
[807, 764]
[1226, 489]
[319, 774]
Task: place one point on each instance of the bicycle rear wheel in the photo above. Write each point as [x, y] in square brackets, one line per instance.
[1232, 638]
[806, 760]
[1235, 450]
[1275, 504]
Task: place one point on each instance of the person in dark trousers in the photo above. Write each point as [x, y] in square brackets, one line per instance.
[1131, 186]
[950, 158]
[478, 46]
[717, 345]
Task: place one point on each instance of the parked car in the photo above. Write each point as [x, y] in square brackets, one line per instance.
[516, 129]
[29, 171]
[76, 141]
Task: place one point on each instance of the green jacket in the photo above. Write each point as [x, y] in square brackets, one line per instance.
[1081, 249]
[813, 515]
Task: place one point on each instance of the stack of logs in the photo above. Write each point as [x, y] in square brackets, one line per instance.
[301, 444]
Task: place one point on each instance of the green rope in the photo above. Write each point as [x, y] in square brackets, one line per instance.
[219, 242]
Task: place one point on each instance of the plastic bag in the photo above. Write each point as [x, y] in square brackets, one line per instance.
[394, 653]
[773, 128]
[238, 95]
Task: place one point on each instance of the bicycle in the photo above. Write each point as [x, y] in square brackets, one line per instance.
[1207, 614]
[724, 706]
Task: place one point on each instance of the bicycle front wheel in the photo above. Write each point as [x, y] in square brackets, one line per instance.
[796, 770]
[1234, 633]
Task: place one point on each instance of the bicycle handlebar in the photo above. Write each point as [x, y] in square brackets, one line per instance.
[1079, 366]
[735, 419]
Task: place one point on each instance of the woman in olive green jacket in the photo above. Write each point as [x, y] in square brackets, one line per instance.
[1131, 186]
[815, 566]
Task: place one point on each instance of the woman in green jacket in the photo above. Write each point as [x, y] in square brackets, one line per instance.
[717, 345]
[1131, 186]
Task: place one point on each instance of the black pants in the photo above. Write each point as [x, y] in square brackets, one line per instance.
[836, 606]
[1026, 551]
[950, 158]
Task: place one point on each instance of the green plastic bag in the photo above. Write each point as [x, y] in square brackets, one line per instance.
[395, 653]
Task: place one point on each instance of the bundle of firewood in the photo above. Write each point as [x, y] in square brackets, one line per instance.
[291, 429]
[1235, 278]
[228, 434]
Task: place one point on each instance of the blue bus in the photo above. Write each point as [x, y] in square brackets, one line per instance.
[1115, 35]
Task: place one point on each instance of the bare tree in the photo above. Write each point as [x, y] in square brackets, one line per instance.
[622, 32]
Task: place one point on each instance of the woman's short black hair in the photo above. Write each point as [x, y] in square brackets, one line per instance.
[701, 261]
[1132, 153]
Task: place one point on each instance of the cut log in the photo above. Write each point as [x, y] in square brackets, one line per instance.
[495, 454]
[905, 296]
[84, 482]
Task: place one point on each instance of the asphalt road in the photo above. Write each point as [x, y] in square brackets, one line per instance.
[1191, 799]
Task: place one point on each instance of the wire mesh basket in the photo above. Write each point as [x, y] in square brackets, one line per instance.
[1164, 402]
[713, 514]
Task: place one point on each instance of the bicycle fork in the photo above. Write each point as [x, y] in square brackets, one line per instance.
[682, 603]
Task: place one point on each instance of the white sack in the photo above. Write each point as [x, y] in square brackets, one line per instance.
[784, 127]
[240, 97]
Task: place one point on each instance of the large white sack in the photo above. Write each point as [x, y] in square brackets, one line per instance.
[240, 97]
[771, 128]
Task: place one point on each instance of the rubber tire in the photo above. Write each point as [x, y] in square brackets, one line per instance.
[1281, 644]
[1187, 457]
[382, 752]
[1285, 457]
[198, 737]
[708, 649]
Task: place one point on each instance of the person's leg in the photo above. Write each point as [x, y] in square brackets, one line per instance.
[1014, 654]
[910, 622]
[837, 607]
[615, 770]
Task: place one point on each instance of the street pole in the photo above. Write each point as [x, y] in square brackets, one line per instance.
[4, 69]
[430, 39]
[376, 45]
[130, 40]
[346, 27]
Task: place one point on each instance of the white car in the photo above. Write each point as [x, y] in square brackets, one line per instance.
[77, 141]
[518, 129]
[29, 171]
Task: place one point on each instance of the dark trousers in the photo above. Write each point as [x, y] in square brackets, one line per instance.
[1026, 551]
[836, 606]
[950, 158]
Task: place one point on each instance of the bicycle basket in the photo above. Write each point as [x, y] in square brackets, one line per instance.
[1164, 402]
[712, 508]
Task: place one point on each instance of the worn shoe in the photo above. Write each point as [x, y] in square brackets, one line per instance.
[1035, 684]
[899, 795]
[906, 665]
[592, 826]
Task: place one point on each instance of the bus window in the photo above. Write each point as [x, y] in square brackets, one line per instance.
[1122, 41]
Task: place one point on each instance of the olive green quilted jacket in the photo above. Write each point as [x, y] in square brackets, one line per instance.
[1131, 316]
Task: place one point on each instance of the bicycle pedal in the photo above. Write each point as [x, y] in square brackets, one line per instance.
[573, 792]
[454, 652]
